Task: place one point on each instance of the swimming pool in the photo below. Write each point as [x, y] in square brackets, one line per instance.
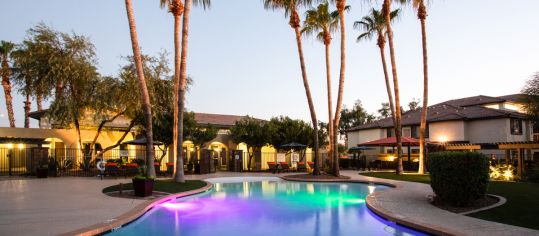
[268, 206]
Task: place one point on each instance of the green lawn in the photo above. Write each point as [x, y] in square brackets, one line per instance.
[521, 209]
[167, 186]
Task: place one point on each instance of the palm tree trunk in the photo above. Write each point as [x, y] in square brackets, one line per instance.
[422, 14]
[294, 22]
[7, 92]
[330, 102]
[27, 106]
[398, 127]
[39, 101]
[176, 8]
[388, 84]
[145, 97]
[179, 177]
[340, 7]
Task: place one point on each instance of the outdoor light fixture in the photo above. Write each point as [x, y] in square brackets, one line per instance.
[21, 146]
[10, 146]
[391, 158]
[442, 139]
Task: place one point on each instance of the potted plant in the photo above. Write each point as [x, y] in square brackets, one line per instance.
[42, 170]
[143, 184]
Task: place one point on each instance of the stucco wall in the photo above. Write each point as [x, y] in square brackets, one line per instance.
[68, 136]
[447, 131]
[496, 130]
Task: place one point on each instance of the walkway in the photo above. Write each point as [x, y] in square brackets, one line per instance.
[56, 205]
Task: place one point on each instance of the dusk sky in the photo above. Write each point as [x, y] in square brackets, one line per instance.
[243, 59]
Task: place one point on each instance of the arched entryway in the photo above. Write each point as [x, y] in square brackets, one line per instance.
[219, 155]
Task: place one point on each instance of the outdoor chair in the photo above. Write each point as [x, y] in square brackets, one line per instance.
[170, 168]
[131, 169]
[111, 169]
[273, 167]
[311, 164]
[285, 167]
[301, 167]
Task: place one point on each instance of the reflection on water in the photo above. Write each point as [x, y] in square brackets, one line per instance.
[267, 208]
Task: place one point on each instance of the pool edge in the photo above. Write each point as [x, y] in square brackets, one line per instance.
[133, 214]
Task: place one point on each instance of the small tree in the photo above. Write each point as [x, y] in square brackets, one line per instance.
[531, 98]
[198, 134]
[253, 132]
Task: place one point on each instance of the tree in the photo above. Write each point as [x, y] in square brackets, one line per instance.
[354, 117]
[386, 11]
[341, 6]
[6, 48]
[321, 22]
[145, 97]
[414, 105]
[374, 24]
[23, 78]
[385, 111]
[290, 9]
[253, 132]
[531, 98]
[198, 134]
[422, 15]
[177, 8]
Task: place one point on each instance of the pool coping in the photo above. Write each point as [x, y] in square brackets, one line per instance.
[133, 214]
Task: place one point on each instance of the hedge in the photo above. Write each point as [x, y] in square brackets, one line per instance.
[458, 178]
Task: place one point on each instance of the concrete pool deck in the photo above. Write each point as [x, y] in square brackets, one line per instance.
[53, 206]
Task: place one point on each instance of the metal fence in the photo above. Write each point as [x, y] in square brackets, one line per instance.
[64, 161]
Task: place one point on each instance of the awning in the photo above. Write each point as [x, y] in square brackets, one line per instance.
[142, 141]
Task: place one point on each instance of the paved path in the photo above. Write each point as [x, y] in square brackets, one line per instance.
[56, 205]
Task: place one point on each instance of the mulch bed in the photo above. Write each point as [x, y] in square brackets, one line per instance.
[480, 203]
[316, 177]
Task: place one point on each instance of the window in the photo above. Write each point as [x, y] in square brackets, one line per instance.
[516, 126]
[390, 132]
[415, 131]
[406, 132]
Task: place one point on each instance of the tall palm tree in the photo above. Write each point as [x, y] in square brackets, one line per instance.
[145, 96]
[5, 52]
[322, 22]
[375, 24]
[180, 73]
[422, 15]
[386, 11]
[23, 78]
[290, 8]
[341, 7]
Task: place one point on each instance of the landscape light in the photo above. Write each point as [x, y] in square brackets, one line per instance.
[10, 145]
[21, 146]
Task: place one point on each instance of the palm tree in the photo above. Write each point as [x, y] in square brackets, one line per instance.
[290, 8]
[422, 15]
[341, 7]
[23, 78]
[180, 74]
[386, 11]
[145, 97]
[375, 24]
[5, 52]
[321, 22]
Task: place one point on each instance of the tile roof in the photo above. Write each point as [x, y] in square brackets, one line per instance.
[458, 109]
[217, 119]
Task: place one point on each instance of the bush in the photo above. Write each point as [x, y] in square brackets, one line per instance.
[459, 178]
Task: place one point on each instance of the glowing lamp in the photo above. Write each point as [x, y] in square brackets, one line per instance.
[391, 158]
[10, 146]
[21, 146]
[442, 139]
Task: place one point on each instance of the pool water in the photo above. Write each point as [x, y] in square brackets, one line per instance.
[268, 207]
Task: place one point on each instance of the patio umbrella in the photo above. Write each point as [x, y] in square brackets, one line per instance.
[295, 145]
[142, 141]
[392, 141]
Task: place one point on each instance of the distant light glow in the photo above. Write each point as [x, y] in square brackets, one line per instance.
[391, 158]
[10, 145]
[443, 139]
[21, 146]
[502, 172]
[371, 188]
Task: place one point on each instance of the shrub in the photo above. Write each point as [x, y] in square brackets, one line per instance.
[458, 178]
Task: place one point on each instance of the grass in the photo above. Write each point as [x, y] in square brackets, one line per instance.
[167, 186]
[521, 208]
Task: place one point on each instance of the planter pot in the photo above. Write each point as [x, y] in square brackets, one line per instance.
[143, 187]
[41, 173]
